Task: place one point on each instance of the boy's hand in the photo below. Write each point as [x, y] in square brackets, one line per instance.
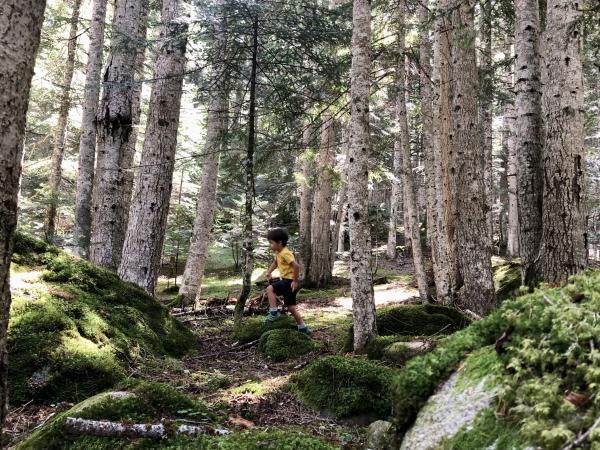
[269, 276]
[294, 286]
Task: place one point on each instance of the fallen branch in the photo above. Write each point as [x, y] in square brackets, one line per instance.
[103, 428]
[581, 439]
[472, 315]
[232, 349]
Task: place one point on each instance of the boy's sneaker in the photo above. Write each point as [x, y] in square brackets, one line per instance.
[270, 317]
[305, 330]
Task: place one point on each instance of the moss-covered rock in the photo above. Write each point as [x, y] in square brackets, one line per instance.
[283, 344]
[74, 329]
[507, 279]
[252, 328]
[376, 345]
[345, 386]
[400, 352]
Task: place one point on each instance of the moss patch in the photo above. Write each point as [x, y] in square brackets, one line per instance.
[73, 336]
[507, 279]
[345, 386]
[253, 328]
[283, 344]
[376, 345]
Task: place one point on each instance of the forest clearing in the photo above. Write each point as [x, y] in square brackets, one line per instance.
[299, 224]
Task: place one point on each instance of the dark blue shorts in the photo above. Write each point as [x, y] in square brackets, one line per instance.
[284, 288]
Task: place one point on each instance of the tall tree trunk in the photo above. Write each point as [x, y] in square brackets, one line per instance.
[341, 202]
[396, 204]
[249, 204]
[528, 134]
[439, 253]
[363, 304]
[114, 127]
[306, 200]
[444, 156]
[142, 249]
[408, 180]
[216, 129]
[319, 273]
[87, 142]
[20, 26]
[512, 235]
[486, 112]
[477, 291]
[60, 130]
[564, 238]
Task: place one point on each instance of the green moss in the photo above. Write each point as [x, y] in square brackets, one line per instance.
[507, 279]
[251, 387]
[253, 328]
[74, 338]
[419, 378]
[345, 386]
[376, 345]
[485, 432]
[478, 365]
[398, 353]
[283, 344]
[29, 251]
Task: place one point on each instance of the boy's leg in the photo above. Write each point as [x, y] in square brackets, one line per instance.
[273, 311]
[296, 314]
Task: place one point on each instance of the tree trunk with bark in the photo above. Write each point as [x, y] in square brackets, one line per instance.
[363, 305]
[512, 235]
[114, 128]
[396, 204]
[477, 290]
[341, 212]
[564, 236]
[306, 200]
[448, 276]
[216, 130]
[58, 148]
[142, 249]
[319, 273]
[528, 134]
[87, 142]
[408, 180]
[20, 27]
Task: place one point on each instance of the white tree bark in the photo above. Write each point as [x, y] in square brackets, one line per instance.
[337, 241]
[87, 142]
[306, 199]
[216, 129]
[477, 291]
[528, 134]
[60, 130]
[396, 204]
[512, 240]
[564, 235]
[114, 127]
[20, 26]
[363, 305]
[142, 249]
[319, 272]
[408, 179]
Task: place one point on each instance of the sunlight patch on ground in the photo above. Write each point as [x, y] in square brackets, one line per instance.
[384, 295]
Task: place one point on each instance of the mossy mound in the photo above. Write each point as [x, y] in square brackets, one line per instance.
[74, 329]
[345, 386]
[283, 344]
[507, 279]
[412, 320]
[549, 367]
[376, 345]
[145, 402]
[252, 328]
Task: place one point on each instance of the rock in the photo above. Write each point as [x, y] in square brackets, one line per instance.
[400, 352]
[455, 405]
[381, 435]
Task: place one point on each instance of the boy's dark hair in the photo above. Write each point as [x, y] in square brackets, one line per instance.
[278, 235]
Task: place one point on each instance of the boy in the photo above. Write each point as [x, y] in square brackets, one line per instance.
[288, 285]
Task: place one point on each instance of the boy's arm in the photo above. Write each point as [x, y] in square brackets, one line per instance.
[296, 268]
[271, 268]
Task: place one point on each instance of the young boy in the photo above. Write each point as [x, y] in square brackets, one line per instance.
[288, 272]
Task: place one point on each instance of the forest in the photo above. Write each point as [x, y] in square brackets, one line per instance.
[300, 224]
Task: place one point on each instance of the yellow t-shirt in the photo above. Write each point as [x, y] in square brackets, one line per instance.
[284, 259]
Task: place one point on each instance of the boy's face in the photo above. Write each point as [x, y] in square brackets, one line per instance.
[275, 246]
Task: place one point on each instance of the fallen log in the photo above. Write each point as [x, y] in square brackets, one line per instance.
[104, 428]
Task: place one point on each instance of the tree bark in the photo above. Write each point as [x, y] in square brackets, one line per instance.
[306, 200]
[249, 187]
[114, 127]
[408, 180]
[20, 26]
[216, 129]
[363, 305]
[142, 249]
[564, 237]
[337, 241]
[444, 157]
[477, 291]
[512, 235]
[87, 142]
[319, 273]
[528, 134]
[396, 204]
[58, 148]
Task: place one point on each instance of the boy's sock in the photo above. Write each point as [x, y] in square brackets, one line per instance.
[271, 315]
[273, 310]
[304, 329]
